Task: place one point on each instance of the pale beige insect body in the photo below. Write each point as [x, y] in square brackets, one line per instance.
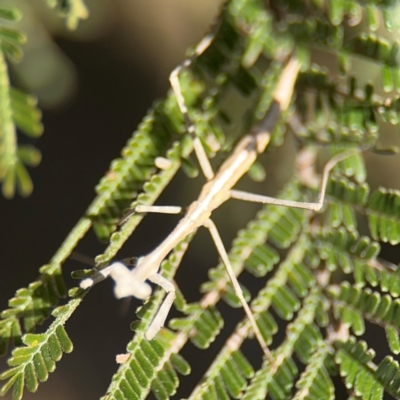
[216, 191]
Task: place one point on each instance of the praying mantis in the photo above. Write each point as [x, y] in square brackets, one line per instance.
[216, 191]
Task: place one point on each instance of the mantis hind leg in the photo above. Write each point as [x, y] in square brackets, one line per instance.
[314, 206]
[238, 290]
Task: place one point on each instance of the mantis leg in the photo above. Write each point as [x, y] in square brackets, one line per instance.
[238, 290]
[158, 209]
[153, 209]
[176, 87]
[159, 319]
[315, 206]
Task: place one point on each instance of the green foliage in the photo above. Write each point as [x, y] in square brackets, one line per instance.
[31, 306]
[32, 363]
[321, 273]
[367, 379]
[155, 137]
[18, 110]
[354, 305]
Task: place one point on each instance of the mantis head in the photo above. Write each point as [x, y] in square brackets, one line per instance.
[127, 283]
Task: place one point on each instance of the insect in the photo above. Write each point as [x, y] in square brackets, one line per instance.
[216, 191]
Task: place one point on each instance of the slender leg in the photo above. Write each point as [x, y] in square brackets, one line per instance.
[224, 256]
[315, 206]
[176, 87]
[158, 209]
[198, 147]
[159, 319]
[153, 209]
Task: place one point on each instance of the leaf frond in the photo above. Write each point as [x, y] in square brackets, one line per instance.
[17, 111]
[32, 363]
[354, 305]
[31, 306]
[360, 373]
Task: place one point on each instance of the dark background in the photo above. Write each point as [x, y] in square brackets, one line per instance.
[101, 81]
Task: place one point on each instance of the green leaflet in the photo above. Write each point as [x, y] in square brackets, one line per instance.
[383, 209]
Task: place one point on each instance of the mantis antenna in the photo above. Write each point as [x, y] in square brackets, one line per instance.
[216, 191]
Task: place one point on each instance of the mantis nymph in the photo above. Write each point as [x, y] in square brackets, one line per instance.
[216, 190]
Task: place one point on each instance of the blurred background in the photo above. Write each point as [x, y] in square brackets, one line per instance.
[94, 86]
